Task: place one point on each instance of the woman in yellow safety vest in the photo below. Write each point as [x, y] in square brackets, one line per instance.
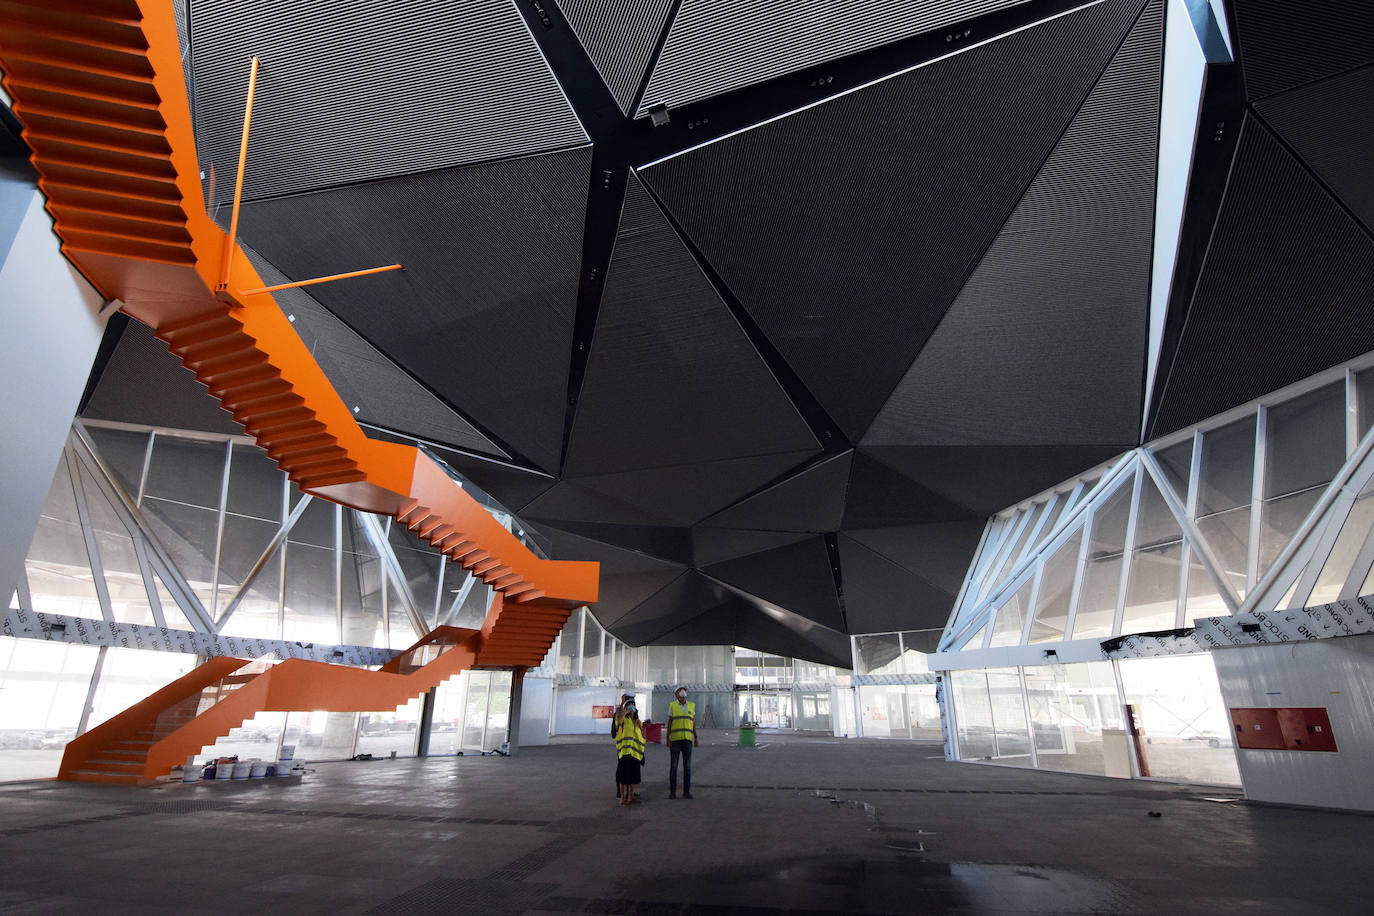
[629, 746]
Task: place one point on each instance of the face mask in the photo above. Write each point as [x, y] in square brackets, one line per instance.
[630, 708]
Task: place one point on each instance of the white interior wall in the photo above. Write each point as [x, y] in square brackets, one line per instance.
[52, 329]
[1335, 673]
[575, 709]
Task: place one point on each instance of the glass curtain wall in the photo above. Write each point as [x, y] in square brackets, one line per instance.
[1185, 528]
[1071, 718]
[898, 709]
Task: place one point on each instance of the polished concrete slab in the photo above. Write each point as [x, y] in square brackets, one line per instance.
[798, 824]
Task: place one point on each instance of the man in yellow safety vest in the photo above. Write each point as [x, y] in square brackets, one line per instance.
[682, 737]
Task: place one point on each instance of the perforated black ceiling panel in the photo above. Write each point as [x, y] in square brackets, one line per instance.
[673, 606]
[1285, 44]
[672, 544]
[377, 389]
[987, 480]
[766, 632]
[797, 577]
[821, 222]
[879, 495]
[812, 500]
[672, 379]
[349, 91]
[1284, 292]
[143, 383]
[716, 545]
[482, 313]
[1328, 125]
[1059, 304]
[570, 502]
[627, 577]
[685, 495]
[881, 596]
[940, 554]
[620, 36]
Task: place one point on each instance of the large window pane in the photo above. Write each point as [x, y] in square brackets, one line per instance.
[1008, 562]
[255, 485]
[446, 728]
[260, 737]
[1281, 519]
[43, 688]
[186, 471]
[130, 675]
[1056, 588]
[498, 710]
[1009, 716]
[362, 585]
[189, 533]
[321, 735]
[660, 657]
[123, 578]
[923, 713]
[310, 611]
[1070, 705]
[1204, 600]
[1011, 617]
[1228, 467]
[380, 733]
[1102, 577]
[243, 543]
[1346, 549]
[1176, 460]
[883, 710]
[877, 654]
[58, 566]
[973, 713]
[1364, 394]
[591, 648]
[475, 709]
[1305, 441]
[402, 631]
[1179, 709]
[123, 451]
[420, 564]
[1152, 590]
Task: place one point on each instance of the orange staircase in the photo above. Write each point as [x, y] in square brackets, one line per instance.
[150, 737]
[99, 87]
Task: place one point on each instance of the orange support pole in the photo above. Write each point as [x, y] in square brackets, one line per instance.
[238, 184]
[328, 279]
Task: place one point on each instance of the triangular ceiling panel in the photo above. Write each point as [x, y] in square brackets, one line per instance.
[879, 495]
[375, 388]
[1285, 44]
[986, 480]
[712, 627]
[489, 331]
[716, 545]
[812, 500]
[686, 495]
[1283, 293]
[880, 596]
[1069, 275]
[508, 485]
[619, 38]
[672, 544]
[797, 577]
[142, 383]
[672, 378]
[570, 502]
[820, 222]
[788, 636]
[939, 554]
[716, 46]
[663, 611]
[627, 577]
[474, 83]
[1328, 124]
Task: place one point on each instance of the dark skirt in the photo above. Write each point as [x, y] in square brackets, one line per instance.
[627, 771]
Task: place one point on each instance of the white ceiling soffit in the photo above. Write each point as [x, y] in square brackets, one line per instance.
[714, 46]
[349, 92]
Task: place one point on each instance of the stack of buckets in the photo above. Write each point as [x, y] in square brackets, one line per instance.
[234, 768]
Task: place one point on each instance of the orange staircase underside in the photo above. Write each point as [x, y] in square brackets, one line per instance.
[98, 85]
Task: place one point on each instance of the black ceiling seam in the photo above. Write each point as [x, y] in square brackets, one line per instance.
[517, 459]
[1306, 167]
[1223, 109]
[832, 552]
[823, 427]
[1142, 401]
[654, 56]
[422, 442]
[976, 261]
[716, 117]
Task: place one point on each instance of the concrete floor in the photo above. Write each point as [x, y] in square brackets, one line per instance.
[798, 824]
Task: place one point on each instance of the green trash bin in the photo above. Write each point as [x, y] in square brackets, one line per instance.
[746, 736]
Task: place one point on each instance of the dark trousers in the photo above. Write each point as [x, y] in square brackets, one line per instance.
[681, 749]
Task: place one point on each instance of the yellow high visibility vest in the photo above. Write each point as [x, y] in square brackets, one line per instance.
[630, 741]
[682, 723]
